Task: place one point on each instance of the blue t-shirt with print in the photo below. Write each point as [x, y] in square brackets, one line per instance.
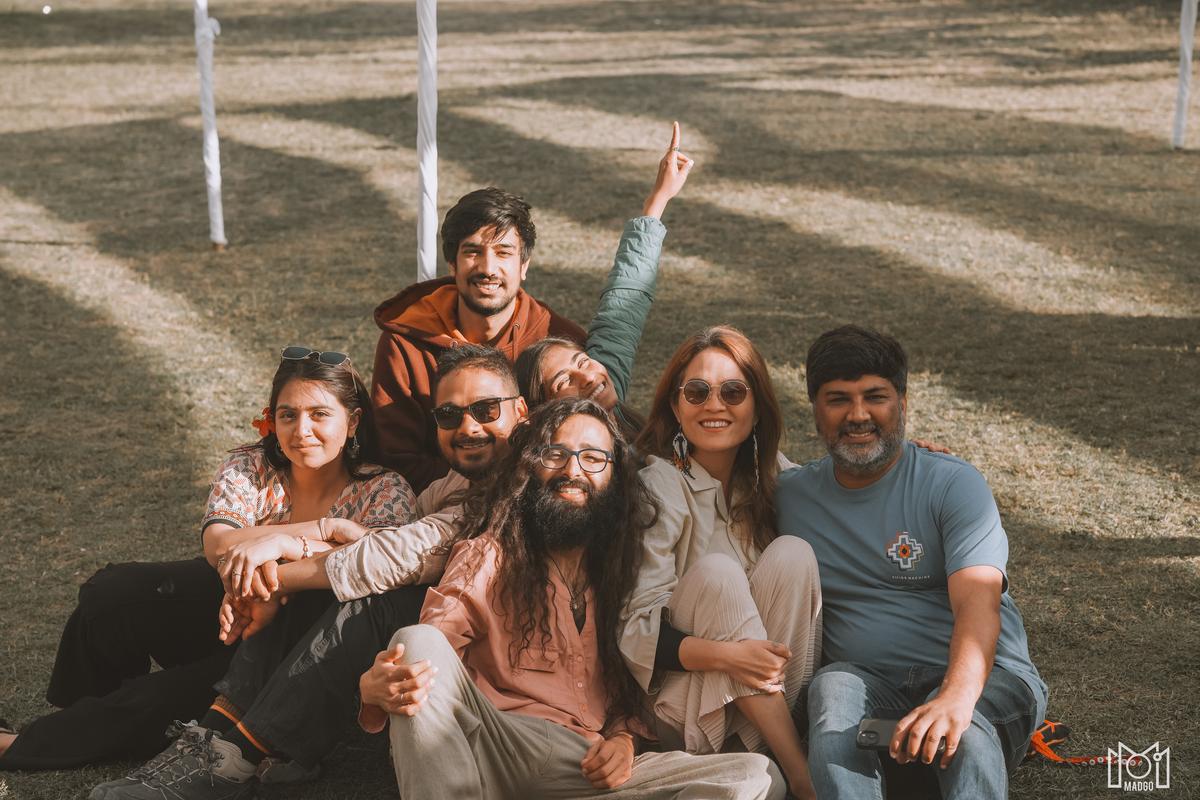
[885, 552]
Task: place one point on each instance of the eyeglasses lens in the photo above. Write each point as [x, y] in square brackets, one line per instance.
[590, 460]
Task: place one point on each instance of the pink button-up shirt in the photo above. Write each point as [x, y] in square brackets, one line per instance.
[561, 683]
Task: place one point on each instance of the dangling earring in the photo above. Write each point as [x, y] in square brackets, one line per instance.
[277, 451]
[354, 447]
[754, 439]
[680, 455]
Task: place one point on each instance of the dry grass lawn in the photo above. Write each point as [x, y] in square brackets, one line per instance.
[988, 180]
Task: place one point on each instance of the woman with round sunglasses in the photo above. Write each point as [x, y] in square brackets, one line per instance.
[283, 497]
[723, 627]
[555, 367]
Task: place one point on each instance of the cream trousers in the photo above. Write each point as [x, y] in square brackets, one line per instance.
[779, 600]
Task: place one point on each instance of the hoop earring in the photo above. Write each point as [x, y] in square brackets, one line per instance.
[354, 448]
[277, 451]
[754, 439]
[680, 453]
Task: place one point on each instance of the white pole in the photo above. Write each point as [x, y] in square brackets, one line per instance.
[1187, 35]
[427, 103]
[206, 30]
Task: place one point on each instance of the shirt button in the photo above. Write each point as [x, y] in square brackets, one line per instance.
[578, 684]
[579, 658]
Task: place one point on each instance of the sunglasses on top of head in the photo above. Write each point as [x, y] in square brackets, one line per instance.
[449, 416]
[295, 352]
[732, 393]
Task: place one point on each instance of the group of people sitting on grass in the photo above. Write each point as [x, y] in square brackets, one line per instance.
[542, 592]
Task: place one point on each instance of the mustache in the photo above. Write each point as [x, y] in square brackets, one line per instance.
[460, 441]
[858, 427]
[562, 482]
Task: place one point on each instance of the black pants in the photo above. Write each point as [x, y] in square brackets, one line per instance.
[113, 706]
[298, 697]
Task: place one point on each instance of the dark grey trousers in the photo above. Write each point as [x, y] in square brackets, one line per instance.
[298, 700]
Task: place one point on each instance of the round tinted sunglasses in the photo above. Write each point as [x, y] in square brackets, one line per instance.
[732, 393]
[295, 352]
[449, 416]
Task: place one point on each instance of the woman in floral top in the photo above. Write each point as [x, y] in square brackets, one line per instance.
[279, 498]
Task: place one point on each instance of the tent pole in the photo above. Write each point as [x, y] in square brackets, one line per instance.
[206, 30]
[1187, 35]
[427, 103]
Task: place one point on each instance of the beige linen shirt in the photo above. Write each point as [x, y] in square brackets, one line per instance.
[693, 522]
[387, 558]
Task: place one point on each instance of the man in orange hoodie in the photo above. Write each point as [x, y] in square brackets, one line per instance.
[487, 240]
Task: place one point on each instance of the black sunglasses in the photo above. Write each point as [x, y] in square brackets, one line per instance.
[295, 352]
[732, 393]
[449, 416]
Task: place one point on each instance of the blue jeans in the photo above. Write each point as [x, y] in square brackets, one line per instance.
[842, 694]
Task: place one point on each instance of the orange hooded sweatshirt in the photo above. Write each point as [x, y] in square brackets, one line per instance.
[418, 324]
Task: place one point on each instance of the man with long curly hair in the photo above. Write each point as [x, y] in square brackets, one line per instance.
[532, 696]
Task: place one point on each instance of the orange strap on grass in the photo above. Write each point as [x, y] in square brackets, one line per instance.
[1055, 733]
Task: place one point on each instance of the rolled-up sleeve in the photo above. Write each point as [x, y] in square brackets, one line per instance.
[387, 558]
[656, 579]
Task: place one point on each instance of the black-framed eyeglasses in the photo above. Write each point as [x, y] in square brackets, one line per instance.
[449, 416]
[732, 393]
[591, 459]
[295, 352]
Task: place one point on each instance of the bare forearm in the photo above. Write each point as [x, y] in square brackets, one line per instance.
[702, 655]
[972, 648]
[219, 538]
[308, 573]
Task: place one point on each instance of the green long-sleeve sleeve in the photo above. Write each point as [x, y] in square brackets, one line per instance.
[616, 330]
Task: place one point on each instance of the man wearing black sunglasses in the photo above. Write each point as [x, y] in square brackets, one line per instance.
[292, 701]
[487, 241]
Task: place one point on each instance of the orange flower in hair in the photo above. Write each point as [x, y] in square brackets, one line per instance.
[265, 423]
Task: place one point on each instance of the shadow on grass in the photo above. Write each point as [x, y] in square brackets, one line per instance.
[292, 221]
[92, 473]
[1112, 381]
[982, 32]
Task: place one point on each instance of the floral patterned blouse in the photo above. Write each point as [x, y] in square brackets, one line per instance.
[247, 491]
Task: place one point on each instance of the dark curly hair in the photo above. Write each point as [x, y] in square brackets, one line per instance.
[611, 560]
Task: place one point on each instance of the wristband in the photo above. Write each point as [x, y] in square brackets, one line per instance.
[321, 529]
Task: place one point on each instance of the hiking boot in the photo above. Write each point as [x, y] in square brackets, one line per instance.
[281, 772]
[180, 732]
[200, 765]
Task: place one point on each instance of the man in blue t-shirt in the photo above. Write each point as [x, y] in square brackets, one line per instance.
[918, 624]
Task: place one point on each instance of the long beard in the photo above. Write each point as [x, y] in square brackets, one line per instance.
[560, 525]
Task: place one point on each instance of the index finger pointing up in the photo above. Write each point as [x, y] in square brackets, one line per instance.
[674, 135]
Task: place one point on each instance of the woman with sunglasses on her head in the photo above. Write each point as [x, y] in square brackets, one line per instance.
[554, 367]
[282, 497]
[723, 628]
